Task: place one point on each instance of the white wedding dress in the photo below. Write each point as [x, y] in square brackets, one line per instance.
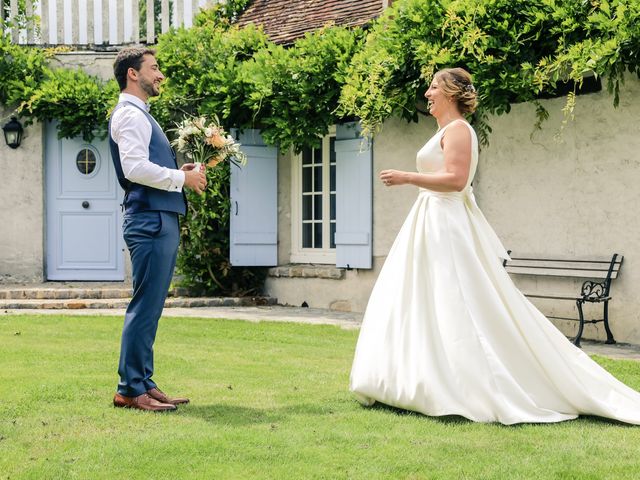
[446, 332]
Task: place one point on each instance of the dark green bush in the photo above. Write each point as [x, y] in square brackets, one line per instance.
[203, 259]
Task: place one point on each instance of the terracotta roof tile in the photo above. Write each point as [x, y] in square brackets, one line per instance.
[286, 20]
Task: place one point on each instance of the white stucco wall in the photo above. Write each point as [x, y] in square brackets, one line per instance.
[93, 63]
[22, 200]
[572, 195]
[575, 195]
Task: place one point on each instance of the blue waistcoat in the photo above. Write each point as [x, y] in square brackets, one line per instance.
[140, 198]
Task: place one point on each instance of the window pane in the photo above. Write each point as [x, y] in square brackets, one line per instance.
[317, 179]
[306, 207]
[332, 149]
[317, 235]
[306, 179]
[86, 161]
[306, 156]
[333, 206]
[332, 241]
[317, 155]
[317, 207]
[306, 235]
[332, 176]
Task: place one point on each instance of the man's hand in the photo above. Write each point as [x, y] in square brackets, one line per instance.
[194, 179]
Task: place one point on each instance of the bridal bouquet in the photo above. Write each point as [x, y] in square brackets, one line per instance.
[204, 141]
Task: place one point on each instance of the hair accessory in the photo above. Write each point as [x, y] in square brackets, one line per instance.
[467, 87]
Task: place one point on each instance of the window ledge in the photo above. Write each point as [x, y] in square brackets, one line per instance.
[307, 271]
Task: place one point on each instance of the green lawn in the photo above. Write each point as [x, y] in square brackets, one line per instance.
[269, 400]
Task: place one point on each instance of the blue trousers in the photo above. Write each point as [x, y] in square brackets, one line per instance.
[152, 239]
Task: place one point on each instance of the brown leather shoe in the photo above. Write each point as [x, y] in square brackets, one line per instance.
[142, 402]
[160, 396]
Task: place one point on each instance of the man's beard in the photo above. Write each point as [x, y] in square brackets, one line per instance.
[148, 88]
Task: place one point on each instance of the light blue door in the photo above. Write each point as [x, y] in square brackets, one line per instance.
[83, 217]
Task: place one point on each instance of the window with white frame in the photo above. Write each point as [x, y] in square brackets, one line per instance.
[313, 198]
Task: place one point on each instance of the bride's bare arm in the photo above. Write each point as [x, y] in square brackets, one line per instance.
[456, 145]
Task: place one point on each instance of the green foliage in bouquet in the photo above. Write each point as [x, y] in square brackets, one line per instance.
[203, 258]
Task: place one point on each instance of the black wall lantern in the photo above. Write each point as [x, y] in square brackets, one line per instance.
[13, 133]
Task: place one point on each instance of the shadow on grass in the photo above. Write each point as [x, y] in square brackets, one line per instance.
[234, 415]
[448, 419]
[459, 420]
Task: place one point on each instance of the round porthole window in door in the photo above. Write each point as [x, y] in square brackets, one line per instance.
[87, 161]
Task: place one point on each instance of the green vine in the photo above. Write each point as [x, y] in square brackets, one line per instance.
[22, 70]
[517, 52]
[78, 101]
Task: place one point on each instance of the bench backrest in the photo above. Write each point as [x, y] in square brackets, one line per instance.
[592, 267]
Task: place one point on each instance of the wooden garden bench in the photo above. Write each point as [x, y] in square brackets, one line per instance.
[599, 271]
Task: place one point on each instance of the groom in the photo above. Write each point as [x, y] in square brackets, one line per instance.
[147, 171]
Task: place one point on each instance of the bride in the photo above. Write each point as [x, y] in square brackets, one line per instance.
[446, 332]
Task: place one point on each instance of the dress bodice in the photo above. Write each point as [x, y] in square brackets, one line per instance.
[430, 158]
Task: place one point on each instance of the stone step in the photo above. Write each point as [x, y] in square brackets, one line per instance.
[182, 302]
[54, 291]
[63, 293]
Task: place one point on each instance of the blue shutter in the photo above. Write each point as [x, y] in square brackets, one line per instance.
[353, 197]
[254, 204]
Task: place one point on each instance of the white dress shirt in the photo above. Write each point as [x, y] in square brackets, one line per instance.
[131, 130]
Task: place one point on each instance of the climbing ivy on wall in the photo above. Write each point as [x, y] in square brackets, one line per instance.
[78, 101]
[517, 51]
[290, 94]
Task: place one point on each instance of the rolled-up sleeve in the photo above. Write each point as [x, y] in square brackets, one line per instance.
[131, 130]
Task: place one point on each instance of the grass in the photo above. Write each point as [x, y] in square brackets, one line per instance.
[269, 400]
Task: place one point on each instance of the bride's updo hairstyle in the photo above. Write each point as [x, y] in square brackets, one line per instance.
[457, 84]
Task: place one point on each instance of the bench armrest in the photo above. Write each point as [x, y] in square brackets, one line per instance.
[594, 290]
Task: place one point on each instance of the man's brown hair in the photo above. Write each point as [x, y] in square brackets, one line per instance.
[130, 57]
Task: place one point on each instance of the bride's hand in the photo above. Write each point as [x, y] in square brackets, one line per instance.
[392, 177]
